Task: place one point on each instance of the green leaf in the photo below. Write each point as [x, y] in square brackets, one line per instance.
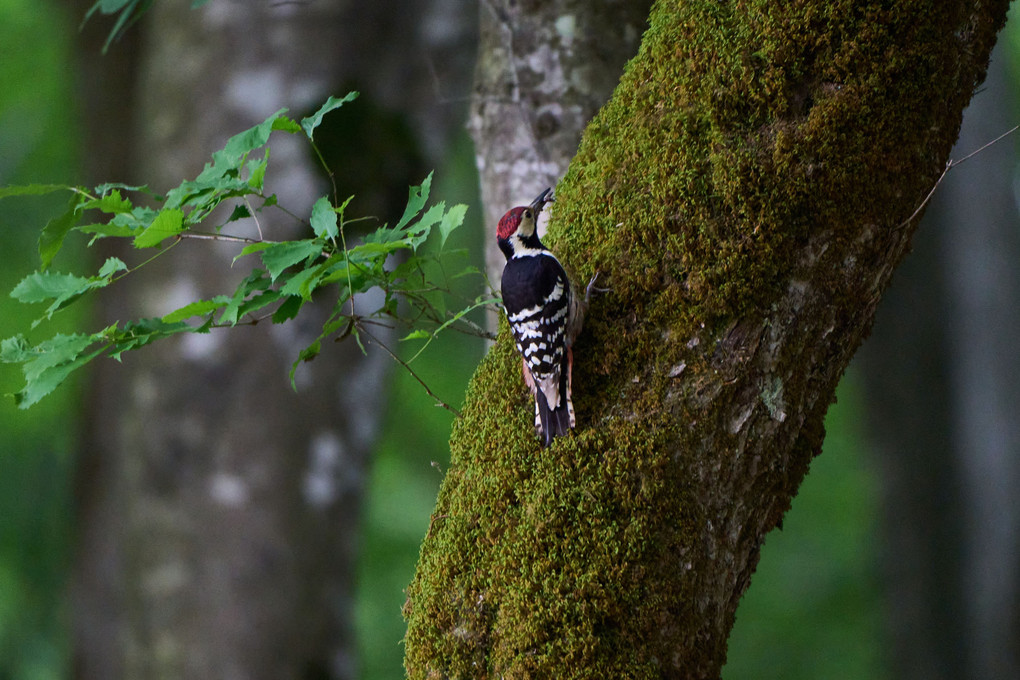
[108, 229]
[249, 140]
[307, 354]
[51, 238]
[240, 212]
[14, 350]
[453, 218]
[279, 256]
[166, 224]
[112, 203]
[311, 122]
[140, 333]
[256, 281]
[197, 308]
[303, 282]
[106, 188]
[372, 250]
[111, 267]
[41, 286]
[252, 248]
[257, 172]
[416, 198]
[416, 335]
[288, 309]
[48, 364]
[419, 231]
[324, 219]
[259, 301]
[32, 189]
[285, 124]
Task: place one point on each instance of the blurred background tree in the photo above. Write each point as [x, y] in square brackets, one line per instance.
[906, 559]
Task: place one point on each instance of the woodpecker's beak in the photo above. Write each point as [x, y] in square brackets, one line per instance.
[540, 202]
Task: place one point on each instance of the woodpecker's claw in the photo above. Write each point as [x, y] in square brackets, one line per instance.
[591, 287]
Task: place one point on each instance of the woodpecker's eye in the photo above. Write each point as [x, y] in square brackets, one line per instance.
[527, 213]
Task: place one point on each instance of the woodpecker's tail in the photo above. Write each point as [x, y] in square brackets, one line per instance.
[555, 422]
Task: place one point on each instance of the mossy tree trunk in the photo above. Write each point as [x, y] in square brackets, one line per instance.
[746, 193]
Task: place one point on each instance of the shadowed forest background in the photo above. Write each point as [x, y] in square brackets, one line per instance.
[900, 557]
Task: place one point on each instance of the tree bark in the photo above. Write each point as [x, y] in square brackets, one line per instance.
[219, 509]
[746, 193]
[544, 69]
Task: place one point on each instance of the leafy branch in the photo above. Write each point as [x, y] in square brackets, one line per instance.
[290, 271]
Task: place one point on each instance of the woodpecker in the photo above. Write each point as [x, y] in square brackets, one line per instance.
[545, 316]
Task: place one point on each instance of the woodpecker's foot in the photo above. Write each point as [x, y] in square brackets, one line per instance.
[591, 287]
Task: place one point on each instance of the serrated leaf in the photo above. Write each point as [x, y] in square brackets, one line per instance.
[142, 332]
[303, 282]
[240, 212]
[307, 354]
[285, 124]
[311, 122]
[259, 301]
[108, 229]
[32, 189]
[249, 140]
[112, 266]
[416, 199]
[51, 238]
[249, 249]
[324, 218]
[279, 256]
[256, 281]
[385, 235]
[418, 232]
[257, 172]
[453, 218]
[366, 251]
[198, 308]
[110, 186]
[48, 364]
[288, 309]
[14, 350]
[111, 202]
[41, 286]
[166, 224]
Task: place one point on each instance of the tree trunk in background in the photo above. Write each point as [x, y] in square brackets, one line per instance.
[544, 69]
[941, 371]
[218, 509]
[747, 193]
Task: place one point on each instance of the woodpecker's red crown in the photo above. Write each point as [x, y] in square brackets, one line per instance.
[512, 221]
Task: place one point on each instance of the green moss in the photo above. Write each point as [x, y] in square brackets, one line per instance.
[749, 145]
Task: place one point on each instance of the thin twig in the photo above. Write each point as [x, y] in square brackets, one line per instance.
[950, 164]
[255, 217]
[205, 236]
[439, 402]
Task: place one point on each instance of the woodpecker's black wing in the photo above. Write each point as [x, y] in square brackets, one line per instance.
[536, 295]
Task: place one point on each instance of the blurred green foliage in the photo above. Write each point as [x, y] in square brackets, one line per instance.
[37, 143]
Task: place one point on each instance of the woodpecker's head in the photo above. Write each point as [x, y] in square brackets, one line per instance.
[517, 231]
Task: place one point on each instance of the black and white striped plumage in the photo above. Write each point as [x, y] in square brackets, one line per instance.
[543, 315]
